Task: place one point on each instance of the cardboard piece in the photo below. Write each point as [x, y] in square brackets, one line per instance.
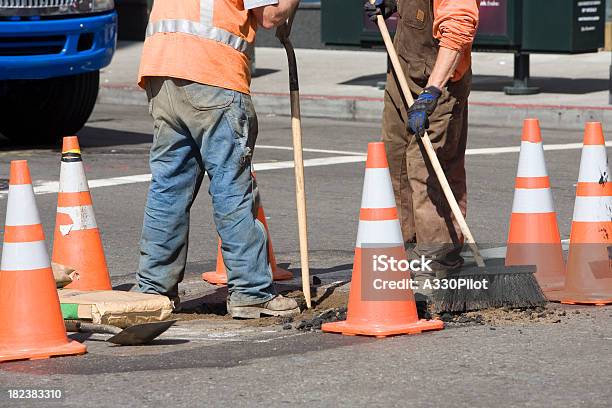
[117, 308]
[62, 274]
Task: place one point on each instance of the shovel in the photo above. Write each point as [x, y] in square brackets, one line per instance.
[132, 336]
[282, 33]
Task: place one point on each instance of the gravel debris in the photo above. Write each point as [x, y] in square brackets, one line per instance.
[507, 316]
[330, 315]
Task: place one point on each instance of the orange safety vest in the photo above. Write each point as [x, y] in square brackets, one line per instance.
[203, 41]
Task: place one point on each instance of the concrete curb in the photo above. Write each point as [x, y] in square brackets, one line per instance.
[366, 109]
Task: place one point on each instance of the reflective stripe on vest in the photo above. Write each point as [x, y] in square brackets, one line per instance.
[203, 29]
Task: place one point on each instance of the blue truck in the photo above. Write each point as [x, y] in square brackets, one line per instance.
[51, 53]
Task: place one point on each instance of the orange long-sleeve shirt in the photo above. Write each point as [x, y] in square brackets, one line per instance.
[455, 24]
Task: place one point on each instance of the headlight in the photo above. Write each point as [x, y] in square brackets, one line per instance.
[54, 7]
[103, 5]
[89, 6]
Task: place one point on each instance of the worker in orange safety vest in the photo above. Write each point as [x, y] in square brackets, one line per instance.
[195, 70]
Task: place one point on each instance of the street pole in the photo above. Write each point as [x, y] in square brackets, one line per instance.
[520, 84]
[610, 82]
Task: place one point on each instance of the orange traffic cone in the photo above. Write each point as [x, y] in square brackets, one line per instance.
[219, 275]
[534, 238]
[372, 309]
[589, 273]
[31, 325]
[77, 242]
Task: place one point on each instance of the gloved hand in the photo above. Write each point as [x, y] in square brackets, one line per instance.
[418, 114]
[385, 8]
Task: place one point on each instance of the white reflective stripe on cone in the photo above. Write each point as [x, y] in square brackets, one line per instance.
[21, 207]
[379, 232]
[531, 160]
[377, 189]
[593, 209]
[533, 201]
[82, 218]
[72, 178]
[593, 164]
[21, 256]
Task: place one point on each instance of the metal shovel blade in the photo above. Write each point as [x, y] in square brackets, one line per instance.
[141, 333]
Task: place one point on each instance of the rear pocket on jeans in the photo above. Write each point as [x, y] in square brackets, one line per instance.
[206, 97]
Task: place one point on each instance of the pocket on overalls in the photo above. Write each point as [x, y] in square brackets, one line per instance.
[417, 72]
[416, 14]
[206, 97]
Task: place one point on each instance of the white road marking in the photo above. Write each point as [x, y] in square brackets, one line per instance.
[324, 161]
[517, 149]
[311, 150]
[50, 187]
[469, 152]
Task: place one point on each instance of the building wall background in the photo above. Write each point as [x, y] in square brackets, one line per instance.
[306, 32]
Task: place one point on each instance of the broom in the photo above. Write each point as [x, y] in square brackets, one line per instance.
[514, 287]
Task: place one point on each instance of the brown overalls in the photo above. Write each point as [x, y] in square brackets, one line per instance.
[424, 213]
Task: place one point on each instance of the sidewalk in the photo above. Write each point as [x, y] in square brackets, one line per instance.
[342, 85]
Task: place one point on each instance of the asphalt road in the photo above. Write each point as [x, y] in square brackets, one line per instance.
[213, 361]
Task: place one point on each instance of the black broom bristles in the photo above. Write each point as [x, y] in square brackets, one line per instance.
[513, 287]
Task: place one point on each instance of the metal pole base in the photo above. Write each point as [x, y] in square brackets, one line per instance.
[521, 77]
[521, 88]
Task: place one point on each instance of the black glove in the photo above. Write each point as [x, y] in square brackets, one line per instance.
[385, 8]
[418, 114]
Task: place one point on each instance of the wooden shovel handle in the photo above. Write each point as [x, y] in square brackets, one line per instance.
[296, 127]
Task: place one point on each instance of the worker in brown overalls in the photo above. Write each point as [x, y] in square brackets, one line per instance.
[433, 40]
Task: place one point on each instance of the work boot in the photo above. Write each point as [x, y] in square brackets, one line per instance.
[423, 295]
[277, 306]
[176, 304]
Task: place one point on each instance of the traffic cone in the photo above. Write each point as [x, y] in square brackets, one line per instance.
[372, 311]
[534, 238]
[589, 274]
[77, 242]
[219, 275]
[31, 323]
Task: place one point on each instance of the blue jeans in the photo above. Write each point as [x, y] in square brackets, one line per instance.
[202, 129]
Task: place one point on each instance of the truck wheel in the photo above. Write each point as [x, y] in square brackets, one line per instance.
[42, 111]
